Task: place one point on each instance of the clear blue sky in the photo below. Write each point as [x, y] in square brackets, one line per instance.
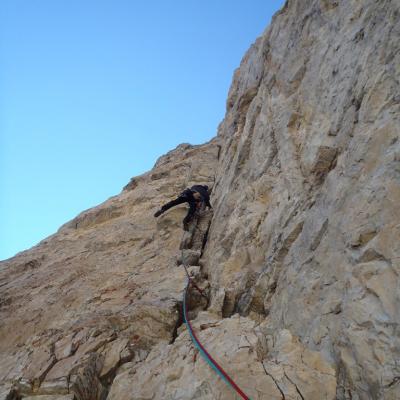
[92, 92]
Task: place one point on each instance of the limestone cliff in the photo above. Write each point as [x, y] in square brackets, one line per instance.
[299, 259]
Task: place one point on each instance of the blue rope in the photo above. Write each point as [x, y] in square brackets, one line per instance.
[197, 345]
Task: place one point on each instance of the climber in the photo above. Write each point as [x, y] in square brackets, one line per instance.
[197, 197]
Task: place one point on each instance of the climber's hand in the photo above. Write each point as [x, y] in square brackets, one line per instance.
[158, 213]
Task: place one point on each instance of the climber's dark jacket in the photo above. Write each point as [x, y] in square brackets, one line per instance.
[194, 196]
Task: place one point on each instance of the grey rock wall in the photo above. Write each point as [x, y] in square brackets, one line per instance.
[306, 228]
[300, 264]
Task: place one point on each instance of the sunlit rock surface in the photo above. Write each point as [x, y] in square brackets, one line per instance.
[300, 263]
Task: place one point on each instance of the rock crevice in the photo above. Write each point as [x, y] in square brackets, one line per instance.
[298, 259]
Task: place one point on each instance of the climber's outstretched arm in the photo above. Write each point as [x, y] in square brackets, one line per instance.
[170, 204]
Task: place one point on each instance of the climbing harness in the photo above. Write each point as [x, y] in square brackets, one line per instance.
[213, 364]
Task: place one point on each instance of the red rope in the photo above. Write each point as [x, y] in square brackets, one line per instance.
[211, 359]
[193, 283]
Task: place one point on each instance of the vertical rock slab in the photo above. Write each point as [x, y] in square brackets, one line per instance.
[305, 228]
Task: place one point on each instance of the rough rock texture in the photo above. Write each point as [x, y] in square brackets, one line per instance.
[306, 226]
[178, 372]
[103, 290]
[300, 263]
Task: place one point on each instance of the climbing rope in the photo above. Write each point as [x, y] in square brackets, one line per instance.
[192, 282]
[213, 364]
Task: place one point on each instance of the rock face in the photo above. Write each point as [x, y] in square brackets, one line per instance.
[103, 290]
[299, 259]
[306, 225]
